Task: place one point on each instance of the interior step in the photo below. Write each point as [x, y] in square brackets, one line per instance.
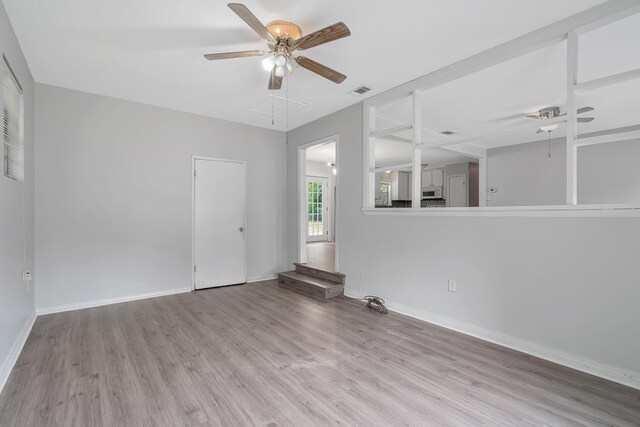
[310, 284]
[320, 274]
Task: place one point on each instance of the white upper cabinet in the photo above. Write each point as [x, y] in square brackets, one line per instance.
[433, 177]
[437, 176]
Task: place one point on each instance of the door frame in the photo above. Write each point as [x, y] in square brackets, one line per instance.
[193, 213]
[325, 223]
[302, 202]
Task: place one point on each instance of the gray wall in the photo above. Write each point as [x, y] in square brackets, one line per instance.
[113, 190]
[609, 173]
[568, 286]
[525, 175]
[16, 203]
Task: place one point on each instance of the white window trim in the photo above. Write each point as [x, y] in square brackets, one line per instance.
[568, 30]
[21, 149]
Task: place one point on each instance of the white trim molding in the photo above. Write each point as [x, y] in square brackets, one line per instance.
[631, 379]
[301, 164]
[262, 279]
[88, 304]
[560, 211]
[16, 349]
[41, 311]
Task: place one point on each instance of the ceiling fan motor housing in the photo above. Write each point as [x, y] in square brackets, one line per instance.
[284, 30]
[549, 113]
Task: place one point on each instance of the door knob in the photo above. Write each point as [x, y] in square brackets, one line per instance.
[241, 229]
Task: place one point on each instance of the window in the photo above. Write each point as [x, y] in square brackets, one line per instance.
[317, 225]
[12, 123]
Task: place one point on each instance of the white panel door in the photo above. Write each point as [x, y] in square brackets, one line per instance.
[457, 191]
[219, 223]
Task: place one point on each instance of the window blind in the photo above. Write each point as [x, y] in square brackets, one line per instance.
[12, 123]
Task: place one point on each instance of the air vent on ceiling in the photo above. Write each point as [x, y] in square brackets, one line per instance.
[360, 90]
[447, 132]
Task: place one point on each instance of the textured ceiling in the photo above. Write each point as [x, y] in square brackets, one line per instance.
[151, 51]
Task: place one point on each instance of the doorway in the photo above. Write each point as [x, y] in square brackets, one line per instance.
[219, 249]
[318, 194]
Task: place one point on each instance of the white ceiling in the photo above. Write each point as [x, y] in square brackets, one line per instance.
[151, 51]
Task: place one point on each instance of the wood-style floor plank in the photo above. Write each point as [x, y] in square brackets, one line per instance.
[261, 355]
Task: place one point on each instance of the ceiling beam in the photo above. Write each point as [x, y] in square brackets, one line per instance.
[468, 150]
[608, 19]
[604, 139]
[554, 33]
[390, 131]
[398, 138]
[392, 168]
[608, 80]
[494, 132]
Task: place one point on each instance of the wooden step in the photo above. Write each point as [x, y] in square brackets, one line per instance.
[320, 274]
[309, 284]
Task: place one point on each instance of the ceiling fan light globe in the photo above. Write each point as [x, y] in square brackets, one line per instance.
[279, 71]
[289, 67]
[268, 63]
[281, 60]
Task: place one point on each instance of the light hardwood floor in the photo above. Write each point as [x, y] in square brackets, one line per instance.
[261, 355]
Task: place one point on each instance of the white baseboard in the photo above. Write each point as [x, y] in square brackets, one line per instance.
[80, 305]
[262, 279]
[621, 376]
[12, 357]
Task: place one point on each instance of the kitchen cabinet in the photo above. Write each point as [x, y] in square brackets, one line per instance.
[433, 177]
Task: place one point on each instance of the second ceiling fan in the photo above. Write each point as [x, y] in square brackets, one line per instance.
[283, 38]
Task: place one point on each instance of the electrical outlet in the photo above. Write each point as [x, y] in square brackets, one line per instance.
[26, 276]
[452, 286]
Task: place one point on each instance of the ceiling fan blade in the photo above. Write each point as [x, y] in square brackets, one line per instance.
[585, 119]
[533, 116]
[320, 69]
[275, 82]
[245, 14]
[325, 35]
[585, 110]
[228, 55]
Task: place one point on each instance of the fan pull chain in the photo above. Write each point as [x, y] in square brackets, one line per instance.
[549, 144]
[286, 111]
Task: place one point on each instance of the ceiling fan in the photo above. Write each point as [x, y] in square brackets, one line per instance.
[553, 112]
[283, 38]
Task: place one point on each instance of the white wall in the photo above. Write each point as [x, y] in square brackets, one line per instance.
[563, 288]
[16, 203]
[321, 169]
[113, 195]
